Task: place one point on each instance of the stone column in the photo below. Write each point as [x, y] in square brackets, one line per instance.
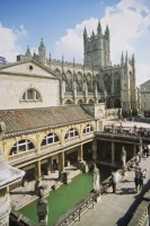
[61, 161]
[80, 153]
[49, 167]
[5, 208]
[134, 149]
[112, 152]
[38, 170]
[94, 150]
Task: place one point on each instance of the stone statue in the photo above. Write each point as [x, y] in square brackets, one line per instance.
[123, 158]
[96, 179]
[42, 210]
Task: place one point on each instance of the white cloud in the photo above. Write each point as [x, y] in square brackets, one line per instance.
[10, 41]
[129, 21]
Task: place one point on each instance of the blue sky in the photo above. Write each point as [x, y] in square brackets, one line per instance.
[61, 22]
[48, 18]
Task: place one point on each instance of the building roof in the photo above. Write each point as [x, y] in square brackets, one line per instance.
[9, 174]
[21, 121]
[44, 67]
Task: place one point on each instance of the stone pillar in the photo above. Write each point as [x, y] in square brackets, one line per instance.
[75, 91]
[38, 170]
[38, 143]
[49, 167]
[134, 149]
[5, 208]
[94, 150]
[80, 153]
[61, 161]
[112, 152]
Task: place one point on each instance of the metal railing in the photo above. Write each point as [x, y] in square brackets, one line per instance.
[130, 131]
[75, 214]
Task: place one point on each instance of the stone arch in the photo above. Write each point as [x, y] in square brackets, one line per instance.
[50, 138]
[31, 94]
[79, 79]
[91, 101]
[117, 83]
[21, 145]
[71, 133]
[107, 82]
[88, 128]
[68, 101]
[89, 80]
[57, 72]
[117, 103]
[69, 81]
[80, 101]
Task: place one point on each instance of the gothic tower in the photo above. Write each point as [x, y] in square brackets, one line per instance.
[42, 52]
[97, 48]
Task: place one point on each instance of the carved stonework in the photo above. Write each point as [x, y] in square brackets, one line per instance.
[4, 210]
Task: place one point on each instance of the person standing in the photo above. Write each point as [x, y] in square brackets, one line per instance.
[136, 180]
[141, 179]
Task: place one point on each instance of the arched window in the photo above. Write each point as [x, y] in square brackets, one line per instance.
[21, 146]
[68, 102]
[79, 82]
[80, 101]
[91, 101]
[57, 72]
[71, 134]
[68, 84]
[88, 129]
[31, 95]
[50, 139]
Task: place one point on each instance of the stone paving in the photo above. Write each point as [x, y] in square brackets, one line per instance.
[112, 208]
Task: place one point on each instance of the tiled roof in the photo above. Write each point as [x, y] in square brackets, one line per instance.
[21, 120]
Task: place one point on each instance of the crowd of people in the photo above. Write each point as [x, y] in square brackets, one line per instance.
[139, 173]
[119, 129]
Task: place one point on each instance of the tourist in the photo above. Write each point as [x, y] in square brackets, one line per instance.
[136, 179]
[141, 179]
[142, 176]
[145, 151]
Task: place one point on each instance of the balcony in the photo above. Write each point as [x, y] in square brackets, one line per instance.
[22, 157]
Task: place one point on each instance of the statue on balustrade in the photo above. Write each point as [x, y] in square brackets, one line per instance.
[96, 181]
[42, 210]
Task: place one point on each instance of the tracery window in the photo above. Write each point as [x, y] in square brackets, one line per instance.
[88, 129]
[71, 134]
[21, 146]
[31, 95]
[50, 139]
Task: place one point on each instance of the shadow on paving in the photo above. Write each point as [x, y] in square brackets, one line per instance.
[22, 192]
[129, 214]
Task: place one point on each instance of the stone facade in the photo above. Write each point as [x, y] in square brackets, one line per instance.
[97, 48]
[96, 80]
[145, 97]
[28, 85]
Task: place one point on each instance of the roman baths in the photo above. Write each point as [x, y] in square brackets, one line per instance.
[70, 140]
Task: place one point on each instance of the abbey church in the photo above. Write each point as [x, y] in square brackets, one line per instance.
[97, 79]
[51, 111]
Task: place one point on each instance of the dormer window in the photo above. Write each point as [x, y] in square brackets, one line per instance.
[31, 95]
[30, 67]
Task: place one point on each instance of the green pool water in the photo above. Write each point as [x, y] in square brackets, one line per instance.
[63, 199]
